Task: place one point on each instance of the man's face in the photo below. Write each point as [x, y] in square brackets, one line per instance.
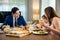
[16, 15]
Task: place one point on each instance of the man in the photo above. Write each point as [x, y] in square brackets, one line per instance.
[15, 19]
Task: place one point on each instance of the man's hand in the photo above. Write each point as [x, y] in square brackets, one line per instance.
[22, 27]
[4, 26]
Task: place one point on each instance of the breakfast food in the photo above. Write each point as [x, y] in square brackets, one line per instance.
[17, 29]
[41, 22]
[7, 28]
[40, 32]
[27, 26]
[25, 31]
[36, 29]
[18, 33]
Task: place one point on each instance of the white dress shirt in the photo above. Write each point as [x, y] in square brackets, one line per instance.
[14, 21]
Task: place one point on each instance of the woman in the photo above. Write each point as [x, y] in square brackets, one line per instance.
[53, 20]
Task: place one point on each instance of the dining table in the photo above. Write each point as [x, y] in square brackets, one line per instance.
[49, 36]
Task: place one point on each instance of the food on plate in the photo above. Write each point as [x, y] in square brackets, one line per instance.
[15, 32]
[7, 28]
[35, 29]
[25, 31]
[17, 29]
[35, 22]
[19, 32]
[41, 32]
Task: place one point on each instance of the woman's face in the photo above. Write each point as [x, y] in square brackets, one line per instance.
[46, 20]
[46, 17]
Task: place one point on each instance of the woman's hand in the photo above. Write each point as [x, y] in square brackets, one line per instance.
[47, 27]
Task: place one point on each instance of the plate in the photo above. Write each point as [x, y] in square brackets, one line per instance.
[35, 29]
[40, 33]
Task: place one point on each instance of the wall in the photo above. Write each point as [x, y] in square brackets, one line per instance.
[29, 10]
[58, 7]
[30, 4]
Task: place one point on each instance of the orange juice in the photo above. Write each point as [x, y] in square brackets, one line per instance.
[41, 22]
[27, 26]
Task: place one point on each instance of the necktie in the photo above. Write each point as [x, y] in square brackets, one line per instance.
[15, 22]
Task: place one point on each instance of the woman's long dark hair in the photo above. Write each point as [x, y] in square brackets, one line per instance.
[50, 13]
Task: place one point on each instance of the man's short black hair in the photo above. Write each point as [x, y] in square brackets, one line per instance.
[14, 9]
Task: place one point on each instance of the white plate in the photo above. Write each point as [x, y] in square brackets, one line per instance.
[40, 33]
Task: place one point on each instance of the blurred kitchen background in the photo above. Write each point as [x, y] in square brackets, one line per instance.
[30, 9]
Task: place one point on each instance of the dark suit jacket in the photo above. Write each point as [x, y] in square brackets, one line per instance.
[9, 21]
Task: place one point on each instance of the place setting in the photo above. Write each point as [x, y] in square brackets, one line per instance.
[15, 32]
